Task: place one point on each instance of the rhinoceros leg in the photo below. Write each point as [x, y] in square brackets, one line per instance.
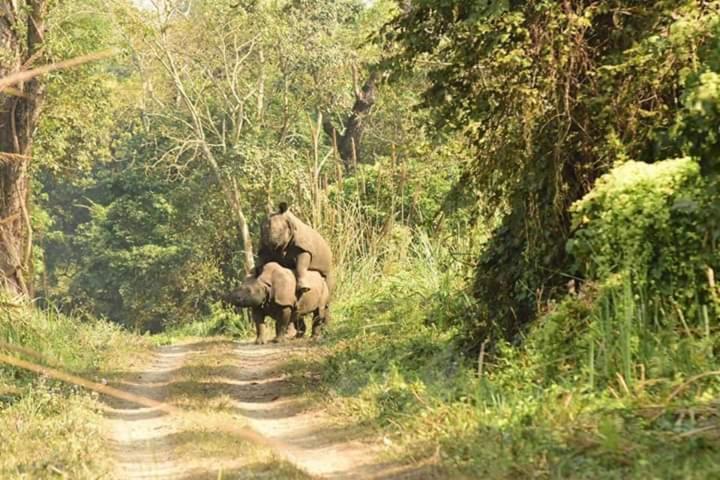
[320, 319]
[301, 268]
[258, 317]
[281, 324]
[300, 327]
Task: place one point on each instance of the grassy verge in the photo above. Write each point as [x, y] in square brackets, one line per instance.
[48, 428]
[589, 394]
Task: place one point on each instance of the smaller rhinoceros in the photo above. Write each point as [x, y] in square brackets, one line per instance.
[272, 293]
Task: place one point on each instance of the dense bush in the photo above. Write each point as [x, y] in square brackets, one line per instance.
[646, 307]
[150, 256]
[649, 221]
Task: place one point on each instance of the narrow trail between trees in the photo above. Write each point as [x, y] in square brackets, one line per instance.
[218, 381]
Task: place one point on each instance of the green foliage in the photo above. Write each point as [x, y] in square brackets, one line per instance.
[50, 428]
[82, 104]
[641, 241]
[694, 131]
[648, 220]
[613, 336]
[410, 187]
[48, 433]
[561, 405]
[144, 258]
[140, 230]
[78, 344]
[220, 321]
[381, 317]
[524, 107]
[551, 94]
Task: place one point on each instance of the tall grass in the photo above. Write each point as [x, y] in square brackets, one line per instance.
[635, 338]
[222, 320]
[74, 343]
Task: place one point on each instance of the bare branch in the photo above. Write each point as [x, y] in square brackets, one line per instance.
[26, 75]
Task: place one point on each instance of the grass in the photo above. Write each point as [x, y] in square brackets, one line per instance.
[51, 429]
[221, 321]
[598, 388]
[604, 385]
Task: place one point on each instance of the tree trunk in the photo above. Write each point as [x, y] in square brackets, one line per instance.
[19, 111]
[348, 143]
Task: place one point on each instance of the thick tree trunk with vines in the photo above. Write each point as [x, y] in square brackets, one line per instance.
[348, 142]
[19, 111]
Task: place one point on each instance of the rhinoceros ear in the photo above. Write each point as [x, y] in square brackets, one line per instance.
[283, 207]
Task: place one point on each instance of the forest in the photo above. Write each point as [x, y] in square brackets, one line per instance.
[522, 200]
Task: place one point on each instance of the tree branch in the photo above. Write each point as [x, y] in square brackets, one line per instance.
[348, 143]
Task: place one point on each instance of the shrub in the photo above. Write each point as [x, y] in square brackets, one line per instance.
[649, 220]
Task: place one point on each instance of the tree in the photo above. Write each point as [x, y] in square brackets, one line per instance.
[211, 104]
[551, 94]
[202, 125]
[347, 142]
[22, 32]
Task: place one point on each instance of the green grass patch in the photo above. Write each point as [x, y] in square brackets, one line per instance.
[51, 429]
[222, 320]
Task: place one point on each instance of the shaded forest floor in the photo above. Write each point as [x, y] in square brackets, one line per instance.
[390, 393]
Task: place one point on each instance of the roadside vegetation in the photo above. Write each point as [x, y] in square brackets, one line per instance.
[598, 387]
[49, 428]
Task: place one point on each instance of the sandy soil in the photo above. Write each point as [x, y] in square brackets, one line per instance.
[139, 435]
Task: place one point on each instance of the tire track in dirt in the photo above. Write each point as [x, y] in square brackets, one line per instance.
[274, 408]
[202, 437]
[139, 434]
[242, 384]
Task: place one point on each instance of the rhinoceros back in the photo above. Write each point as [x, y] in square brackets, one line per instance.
[307, 239]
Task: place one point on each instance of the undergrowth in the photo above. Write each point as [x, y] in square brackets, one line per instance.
[50, 429]
[222, 320]
[598, 387]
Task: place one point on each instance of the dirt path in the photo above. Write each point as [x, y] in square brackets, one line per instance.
[140, 435]
[275, 408]
[243, 384]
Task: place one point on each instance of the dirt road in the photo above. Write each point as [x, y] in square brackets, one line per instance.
[219, 382]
